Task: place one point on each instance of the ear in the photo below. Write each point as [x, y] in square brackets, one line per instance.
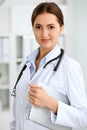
[62, 28]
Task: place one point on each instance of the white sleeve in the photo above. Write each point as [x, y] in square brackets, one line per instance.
[75, 114]
[13, 116]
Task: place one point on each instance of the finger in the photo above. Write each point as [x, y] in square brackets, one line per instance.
[32, 93]
[33, 90]
[34, 86]
[32, 99]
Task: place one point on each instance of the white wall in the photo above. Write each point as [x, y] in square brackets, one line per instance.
[80, 34]
[24, 2]
[4, 20]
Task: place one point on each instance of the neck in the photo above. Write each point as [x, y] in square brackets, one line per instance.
[43, 52]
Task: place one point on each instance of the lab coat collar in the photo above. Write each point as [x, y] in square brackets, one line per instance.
[52, 54]
[31, 58]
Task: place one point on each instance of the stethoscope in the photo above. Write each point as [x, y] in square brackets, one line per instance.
[13, 93]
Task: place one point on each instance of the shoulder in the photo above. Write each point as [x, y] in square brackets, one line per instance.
[22, 64]
[28, 58]
[33, 54]
[70, 64]
[70, 61]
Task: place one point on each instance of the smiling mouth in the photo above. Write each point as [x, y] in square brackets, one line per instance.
[45, 40]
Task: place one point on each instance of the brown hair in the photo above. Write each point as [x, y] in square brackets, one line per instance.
[49, 7]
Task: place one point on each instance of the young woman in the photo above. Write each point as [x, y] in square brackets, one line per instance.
[50, 93]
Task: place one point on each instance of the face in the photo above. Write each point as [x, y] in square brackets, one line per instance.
[47, 30]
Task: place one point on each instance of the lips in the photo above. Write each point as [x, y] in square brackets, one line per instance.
[45, 40]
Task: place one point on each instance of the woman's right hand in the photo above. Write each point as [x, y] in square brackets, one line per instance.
[39, 97]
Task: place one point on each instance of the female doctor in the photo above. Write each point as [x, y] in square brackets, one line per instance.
[46, 73]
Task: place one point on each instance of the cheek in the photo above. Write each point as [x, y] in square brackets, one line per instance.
[37, 37]
[57, 33]
[37, 34]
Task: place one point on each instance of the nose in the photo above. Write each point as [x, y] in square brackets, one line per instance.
[44, 32]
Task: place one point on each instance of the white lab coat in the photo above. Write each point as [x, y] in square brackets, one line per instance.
[68, 80]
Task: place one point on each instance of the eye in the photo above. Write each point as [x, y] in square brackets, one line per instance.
[37, 26]
[51, 27]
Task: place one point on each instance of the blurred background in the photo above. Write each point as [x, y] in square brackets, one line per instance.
[17, 41]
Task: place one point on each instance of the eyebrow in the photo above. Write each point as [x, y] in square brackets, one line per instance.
[37, 24]
[51, 24]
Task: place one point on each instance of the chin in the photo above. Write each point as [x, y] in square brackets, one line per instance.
[48, 47]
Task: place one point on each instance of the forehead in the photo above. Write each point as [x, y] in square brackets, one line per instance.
[46, 18]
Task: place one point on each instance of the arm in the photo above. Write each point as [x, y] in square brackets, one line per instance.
[75, 114]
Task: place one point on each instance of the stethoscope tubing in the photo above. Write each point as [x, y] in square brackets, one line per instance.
[25, 66]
